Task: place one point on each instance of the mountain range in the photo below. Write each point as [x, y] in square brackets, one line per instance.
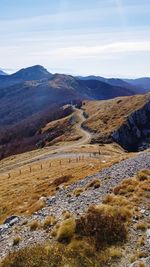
[32, 97]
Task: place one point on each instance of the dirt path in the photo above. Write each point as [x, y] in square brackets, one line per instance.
[61, 151]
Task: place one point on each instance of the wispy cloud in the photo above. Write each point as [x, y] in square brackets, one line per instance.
[99, 50]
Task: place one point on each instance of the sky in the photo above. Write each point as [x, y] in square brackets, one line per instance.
[109, 38]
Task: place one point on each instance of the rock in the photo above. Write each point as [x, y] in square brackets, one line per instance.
[3, 227]
[148, 235]
[142, 211]
[134, 134]
[12, 220]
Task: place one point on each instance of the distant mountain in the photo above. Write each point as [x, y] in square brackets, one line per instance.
[142, 84]
[2, 72]
[138, 86]
[36, 72]
[101, 90]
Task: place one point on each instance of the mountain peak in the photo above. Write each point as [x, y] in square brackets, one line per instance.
[36, 72]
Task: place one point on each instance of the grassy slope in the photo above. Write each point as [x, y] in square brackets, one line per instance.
[106, 116]
[81, 251]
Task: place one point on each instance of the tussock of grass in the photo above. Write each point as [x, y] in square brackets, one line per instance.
[79, 253]
[66, 214]
[34, 225]
[105, 223]
[143, 175]
[61, 180]
[93, 184]
[66, 230]
[141, 226]
[16, 240]
[49, 221]
[78, 191]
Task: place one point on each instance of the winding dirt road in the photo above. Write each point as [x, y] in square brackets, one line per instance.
[57, 152]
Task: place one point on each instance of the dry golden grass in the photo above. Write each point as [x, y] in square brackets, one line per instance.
[143, 175]
[66, 230]
[21, 193]
[49, 221]
[78, 191]
[34, 225]
[16, 240]
[141, 226]
[104, 117]
[94, 184]
[66, 214]
[105, 223]
[115, 214]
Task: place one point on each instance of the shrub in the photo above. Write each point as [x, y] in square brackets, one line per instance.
[66, 214]
[77, 192]
[103, 222]
[49, 221]
[143, 175]
[61, 180]
[94, 184]
[16, 240]
[66, 230]
[48, 255]
[34, 225]
[141, 226]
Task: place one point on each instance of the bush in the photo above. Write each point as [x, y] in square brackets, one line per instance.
[34, 225]
[66, 230]
[95, 184]
[49, 221]
[77, 192]
[16, 240]
[143, 175]
[103, 222]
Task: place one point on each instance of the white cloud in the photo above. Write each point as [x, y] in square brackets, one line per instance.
[99, 50]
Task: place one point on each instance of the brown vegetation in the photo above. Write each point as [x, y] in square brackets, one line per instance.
[104, 118]
[104, 223]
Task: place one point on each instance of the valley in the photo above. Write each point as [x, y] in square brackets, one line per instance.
[73, 149]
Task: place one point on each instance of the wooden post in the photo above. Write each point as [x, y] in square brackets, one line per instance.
[8, 175]
[49, 164]
[69, 160]
[19, 172]
[60, 162]
[41, 167]
[30, 169]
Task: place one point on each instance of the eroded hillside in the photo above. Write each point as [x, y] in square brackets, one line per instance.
[124, 120]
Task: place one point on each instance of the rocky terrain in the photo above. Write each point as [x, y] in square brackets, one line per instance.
[134, 134]
[123, 120]
[66, 200]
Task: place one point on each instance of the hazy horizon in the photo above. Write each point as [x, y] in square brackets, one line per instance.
[104, 38]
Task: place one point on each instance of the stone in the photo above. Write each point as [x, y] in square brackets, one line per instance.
[12, 220]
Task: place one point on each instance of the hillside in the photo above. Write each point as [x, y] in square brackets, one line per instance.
[142, 84]
[31, 97]
[108, 119]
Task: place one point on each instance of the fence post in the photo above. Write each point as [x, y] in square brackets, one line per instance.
[30, 168]
[41, 167]
[8, 175]
[19, 172]
[49, 164]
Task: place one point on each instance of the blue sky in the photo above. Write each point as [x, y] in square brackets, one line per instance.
[81, 37]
